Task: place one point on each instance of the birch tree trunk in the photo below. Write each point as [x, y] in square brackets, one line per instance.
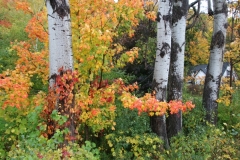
[176, 71]
[214, 69]
[60, 51]
[161, 69]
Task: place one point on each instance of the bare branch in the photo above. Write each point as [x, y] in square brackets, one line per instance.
[195, 15]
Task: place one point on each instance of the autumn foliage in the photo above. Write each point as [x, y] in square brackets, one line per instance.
[5, 23]
[148, 103]
[96, 27]
[33, 60]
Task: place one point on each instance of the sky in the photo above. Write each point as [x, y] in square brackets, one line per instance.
[203, 5]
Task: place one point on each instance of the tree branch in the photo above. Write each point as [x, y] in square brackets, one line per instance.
[195, 15]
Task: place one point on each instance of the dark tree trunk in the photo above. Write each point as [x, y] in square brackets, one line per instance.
[231, 72]
[174, 124]
[210, 95]
[158, 125]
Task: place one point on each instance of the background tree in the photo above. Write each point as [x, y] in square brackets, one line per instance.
[232, 55]
[198, 39]
[214, 69]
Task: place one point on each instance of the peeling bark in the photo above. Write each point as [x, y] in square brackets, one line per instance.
[214, 69]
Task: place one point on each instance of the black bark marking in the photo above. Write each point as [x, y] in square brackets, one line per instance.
[218, 80]
[175, 84]
[176, 48]
[207, 92]
[51, 16]
[162, 54]
[53, 4]
[164, 49]
[210, 104]
[179, 12]
[54, 76]
[61, 7]
[210, 12]
[224, 10]
[167, 19]
[218, 40]
[225, 25]
[158, 19]
[155, 85]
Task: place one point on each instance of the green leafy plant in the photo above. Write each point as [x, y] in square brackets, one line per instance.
[203, 143]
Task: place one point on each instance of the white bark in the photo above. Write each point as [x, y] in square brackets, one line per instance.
[161, 69]
[214, 71]
[178, 48]
[176, 72]
[60, 37]
[60, 53]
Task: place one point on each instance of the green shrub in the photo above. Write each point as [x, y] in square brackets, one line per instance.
[230, 114]
[18, 125]
[132, 138]
[138, 146]
[207, 142]
[44, 150]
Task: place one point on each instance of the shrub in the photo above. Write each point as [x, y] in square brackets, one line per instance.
[207, 142]
[138, 146]
[45, 150]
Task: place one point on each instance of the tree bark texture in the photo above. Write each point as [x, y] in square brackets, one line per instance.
[214, 69]
[60, 37]
[60, 51]
[161, 68]
[176, 71]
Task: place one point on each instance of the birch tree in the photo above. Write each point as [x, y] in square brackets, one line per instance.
[214, 69]
[60, 55]
[161, 69]
[176, 72]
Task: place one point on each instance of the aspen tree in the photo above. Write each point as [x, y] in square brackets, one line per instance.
[214, 69]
